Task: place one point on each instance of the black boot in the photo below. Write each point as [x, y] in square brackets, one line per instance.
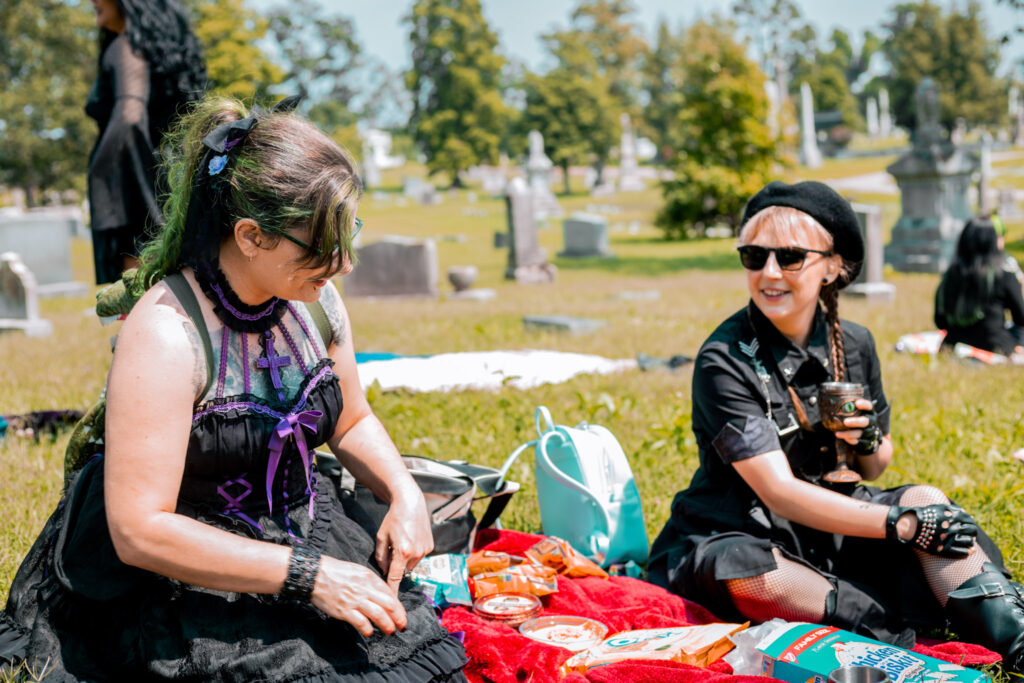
[851, 608]
[989, 609]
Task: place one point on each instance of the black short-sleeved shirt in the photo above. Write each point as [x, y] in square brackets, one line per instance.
[731, 423]
[989, 333]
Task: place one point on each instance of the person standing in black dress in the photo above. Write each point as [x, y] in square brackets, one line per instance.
[150, 66]
[760, 532]
[977, 291]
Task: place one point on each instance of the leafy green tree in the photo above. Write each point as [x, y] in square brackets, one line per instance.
[575, 116]
[661, 83]
[954, 49]
[455, 81]
[230, 34]
[603, 42]
[779, 34]
[724, 151]
[831, 76]
[48, 54]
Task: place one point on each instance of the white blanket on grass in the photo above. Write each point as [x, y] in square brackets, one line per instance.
[484, 370]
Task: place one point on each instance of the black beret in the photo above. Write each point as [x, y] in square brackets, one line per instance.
[823, 204]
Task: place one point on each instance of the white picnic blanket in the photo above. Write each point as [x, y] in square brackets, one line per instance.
[485, 370]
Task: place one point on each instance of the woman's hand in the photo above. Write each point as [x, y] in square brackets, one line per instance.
[353, 593]
[404, 537]
[856, 425]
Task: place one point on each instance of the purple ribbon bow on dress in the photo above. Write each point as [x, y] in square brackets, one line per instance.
[291, 425]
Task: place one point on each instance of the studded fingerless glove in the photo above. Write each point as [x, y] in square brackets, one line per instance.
[870, 437]
[941, 529]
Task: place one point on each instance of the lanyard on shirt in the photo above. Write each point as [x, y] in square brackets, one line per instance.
[750, 351]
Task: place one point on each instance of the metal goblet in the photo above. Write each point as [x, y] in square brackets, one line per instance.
[836, 402]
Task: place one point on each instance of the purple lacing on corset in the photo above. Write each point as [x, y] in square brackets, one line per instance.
[305, 330]
[234, 506]
[295, 349]
[237, 313]
[225, 337]
[245, 362]
[262, 409]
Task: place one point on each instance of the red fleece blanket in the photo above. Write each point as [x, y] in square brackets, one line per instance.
[499, 654]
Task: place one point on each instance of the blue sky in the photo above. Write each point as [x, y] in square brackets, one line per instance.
[519, 23]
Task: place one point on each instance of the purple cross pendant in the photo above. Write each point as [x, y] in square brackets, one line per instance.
[273, 362]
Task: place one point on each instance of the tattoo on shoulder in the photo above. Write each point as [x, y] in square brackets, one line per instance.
[198, 353]
[332, 307]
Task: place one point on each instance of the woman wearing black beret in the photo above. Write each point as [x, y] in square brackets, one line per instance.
[764, 530]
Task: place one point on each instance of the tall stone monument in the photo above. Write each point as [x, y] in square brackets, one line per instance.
[933, 178]
[629, 174]
[810, 155]
[884, 115]
[872, 116]
[771, 91]
[985, 203]
[1018, 125]
[538, 170]
[527, 260]
[371, 171]
[19, 298]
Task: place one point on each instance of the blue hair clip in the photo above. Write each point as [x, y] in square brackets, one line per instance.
[217, 164]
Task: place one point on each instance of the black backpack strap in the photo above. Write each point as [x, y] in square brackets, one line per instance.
[323, 325]
[187, 298]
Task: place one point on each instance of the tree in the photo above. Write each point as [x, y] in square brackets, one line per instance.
[660, 77]
[47, 64]
[724, 151]
[455, 81]
[831, 76]
[230, 34]
[779, 33]
[575, 116]
[955, 51]
[603, 42]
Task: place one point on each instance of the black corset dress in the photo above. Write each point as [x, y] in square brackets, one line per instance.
[93, 618]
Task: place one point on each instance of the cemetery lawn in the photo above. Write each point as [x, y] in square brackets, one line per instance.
[954, 426]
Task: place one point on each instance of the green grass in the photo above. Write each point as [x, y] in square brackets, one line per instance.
[954, 425]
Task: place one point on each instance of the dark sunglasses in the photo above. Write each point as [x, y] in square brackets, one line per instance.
[789, 258]
[296, 240]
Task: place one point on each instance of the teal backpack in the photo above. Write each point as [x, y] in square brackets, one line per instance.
[585, 490]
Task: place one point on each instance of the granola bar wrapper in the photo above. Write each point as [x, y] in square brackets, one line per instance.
[524, 578]
[694, 645]
[559, 555]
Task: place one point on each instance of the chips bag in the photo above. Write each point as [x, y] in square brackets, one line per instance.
[563, 558]
[524, 578]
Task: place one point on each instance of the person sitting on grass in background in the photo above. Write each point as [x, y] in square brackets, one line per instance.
[203, 545]
[760, 532]
[978, 289]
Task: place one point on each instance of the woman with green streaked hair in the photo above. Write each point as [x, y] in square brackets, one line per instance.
[202, 544]
[978, 289]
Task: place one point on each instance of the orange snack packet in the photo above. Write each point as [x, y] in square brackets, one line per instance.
[559, 555]
[491, 561]
[524, 578]
[695, 645]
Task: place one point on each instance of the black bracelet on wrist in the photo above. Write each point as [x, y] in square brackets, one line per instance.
[303, 566]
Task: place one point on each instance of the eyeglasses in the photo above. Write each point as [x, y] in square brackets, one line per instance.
[789, 258]
[296, 240]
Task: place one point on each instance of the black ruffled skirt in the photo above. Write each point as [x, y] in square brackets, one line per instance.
[77, 612]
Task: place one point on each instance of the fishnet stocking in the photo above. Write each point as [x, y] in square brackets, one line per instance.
[944, 574]
[790, 591]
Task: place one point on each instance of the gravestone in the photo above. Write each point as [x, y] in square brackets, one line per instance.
[1007, 206]
[43, 243]
[872, 116]
[589, 177]
[421, 191]
[585, 235]
[19, 298]
[629, 172]
[562, 323]
[771, 91]
[527, 261]
[1012, 102]
[379, 144]
[394, 267]
[810, 155]
[884, 115]
[1018, 125]
[371, 171]
[959, 132]
[493, 181]
[933, 178]
[985, 176]
[538, 171]
[869, 282]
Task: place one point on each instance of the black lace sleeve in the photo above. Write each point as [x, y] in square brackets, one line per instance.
[122, 170]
